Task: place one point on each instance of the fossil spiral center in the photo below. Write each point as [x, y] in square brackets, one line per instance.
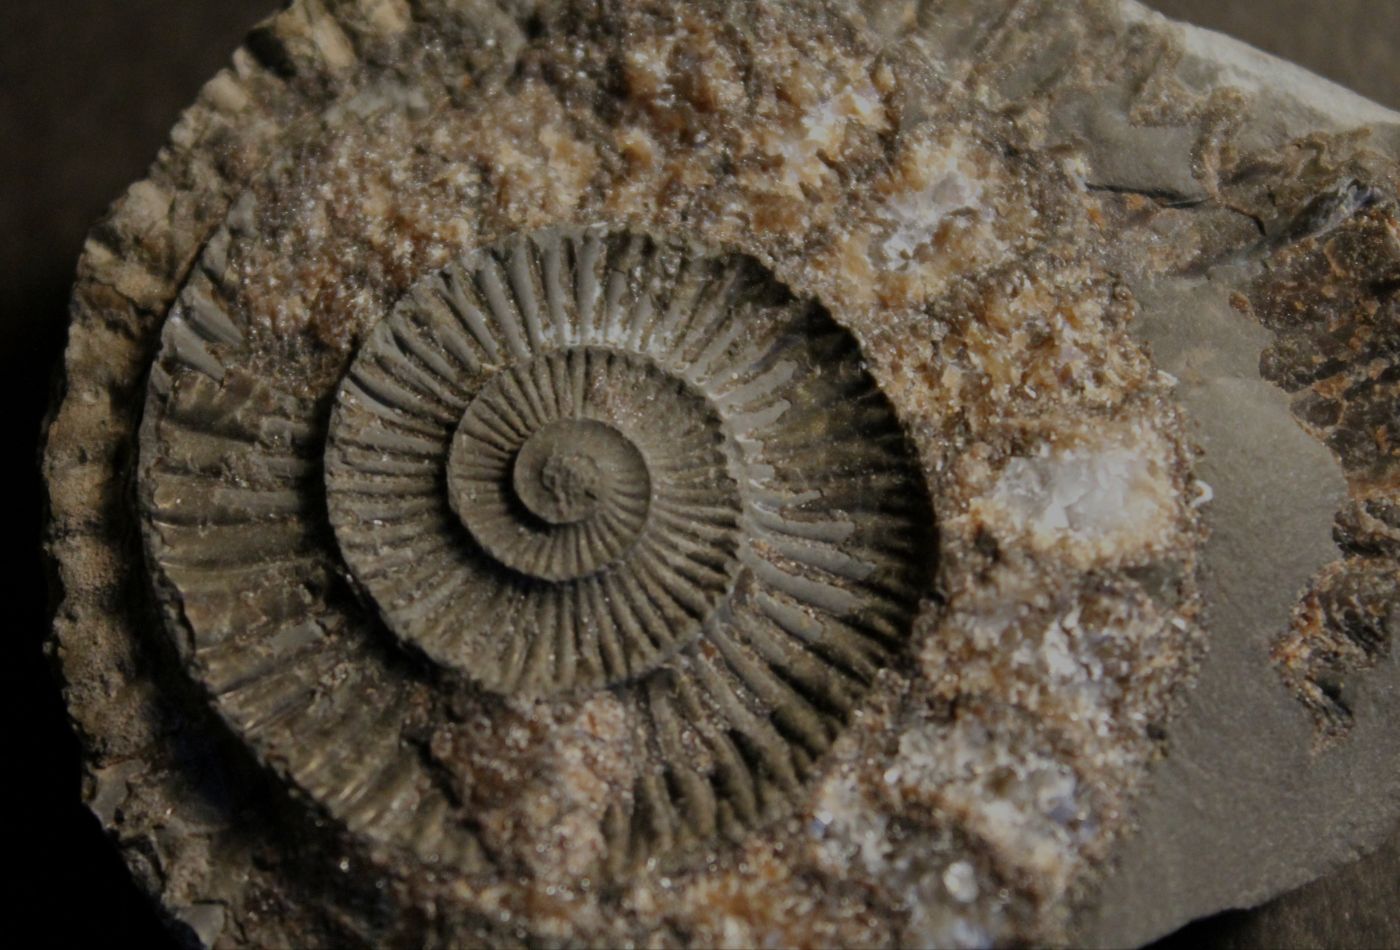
[564, 473]
[564, 488]
[566, 520]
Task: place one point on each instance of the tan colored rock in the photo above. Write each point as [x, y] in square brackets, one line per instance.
[897, 406]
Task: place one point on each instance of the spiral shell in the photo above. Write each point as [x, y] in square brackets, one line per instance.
[576, 461]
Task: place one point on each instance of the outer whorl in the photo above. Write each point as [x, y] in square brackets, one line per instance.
[575, 461]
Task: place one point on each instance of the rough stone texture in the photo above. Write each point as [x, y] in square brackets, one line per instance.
[1000, 205]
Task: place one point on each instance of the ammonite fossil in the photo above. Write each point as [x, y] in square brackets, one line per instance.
[719, 473]
[576, 461]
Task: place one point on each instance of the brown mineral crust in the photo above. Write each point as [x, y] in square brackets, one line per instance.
[1331, 296]
[1316, 220]
[497, 762]
[1343, 626]
[1312, 223]
[1006, 758]
[1303, 231]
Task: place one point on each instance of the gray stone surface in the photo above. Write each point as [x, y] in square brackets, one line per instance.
[1243, 806]
[1243, 783]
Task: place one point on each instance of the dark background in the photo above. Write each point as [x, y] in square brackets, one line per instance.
[88, 91]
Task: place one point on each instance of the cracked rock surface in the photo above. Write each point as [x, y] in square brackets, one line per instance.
[715, 473]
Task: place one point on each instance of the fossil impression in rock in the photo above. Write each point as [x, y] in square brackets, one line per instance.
[725, 473]
[579, 463]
